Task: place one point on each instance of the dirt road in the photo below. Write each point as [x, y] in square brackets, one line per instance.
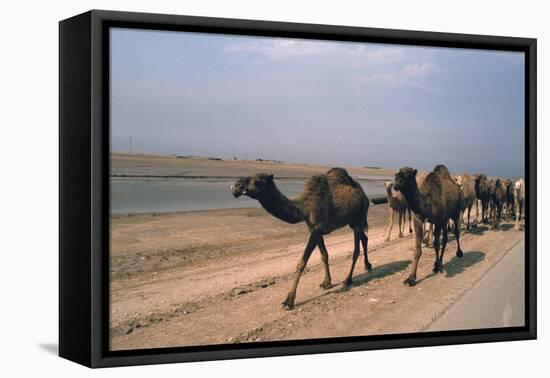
[214, 277]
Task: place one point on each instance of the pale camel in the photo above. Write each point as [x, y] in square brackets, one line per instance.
[397, 204]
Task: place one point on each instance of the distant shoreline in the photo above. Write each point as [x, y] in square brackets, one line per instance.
[155, 184]
[225, 177]
[135, 164]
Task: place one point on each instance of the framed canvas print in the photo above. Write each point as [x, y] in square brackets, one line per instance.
[233, 188]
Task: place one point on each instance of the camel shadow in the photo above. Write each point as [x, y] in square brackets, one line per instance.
[459, 265]
[477, 230]
[363, 278]
[506, 226]
[377, 272]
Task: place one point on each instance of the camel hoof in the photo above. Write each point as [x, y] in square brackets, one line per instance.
[459, 253]
[368, 267]
[438, 267]
[387, 240]
[287, 306]
[410, 282]
[348, 281]
[325, 286]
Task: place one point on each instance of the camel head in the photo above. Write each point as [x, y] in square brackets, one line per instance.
[252, 186]
[388, 185]
[404, 179]
[508, 184]
[459, 180]
[480, 184]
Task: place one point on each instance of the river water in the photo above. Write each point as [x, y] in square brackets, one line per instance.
[147, 195]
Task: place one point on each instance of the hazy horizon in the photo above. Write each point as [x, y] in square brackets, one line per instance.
[317, 102]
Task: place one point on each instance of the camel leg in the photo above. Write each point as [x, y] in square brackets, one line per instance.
[474, 222]
[518, 214]
[390, 226]
[426, 228]
[437, 234]
[429, 234]
[410, 229]
[348, 281]
[401, 223]
[418, 235]
[327, 282]
[288, 304]
[457, 235]
[439, 267]
[468, 219]
[365, 242]
[494, 211]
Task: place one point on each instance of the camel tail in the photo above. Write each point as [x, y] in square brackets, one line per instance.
[366, 205]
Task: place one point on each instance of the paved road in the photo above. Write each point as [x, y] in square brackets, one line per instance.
[500, 294]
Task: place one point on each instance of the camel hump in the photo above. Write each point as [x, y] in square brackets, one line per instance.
[432, 185]
[339, 176]
[442, 171]
[317, 185]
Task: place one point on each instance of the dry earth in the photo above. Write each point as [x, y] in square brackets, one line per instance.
[214, 277]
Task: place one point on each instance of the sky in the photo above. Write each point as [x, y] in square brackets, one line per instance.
[318, 102]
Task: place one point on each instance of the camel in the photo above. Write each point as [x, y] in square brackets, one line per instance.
[519, 200]
[482, 193]
[467, 185]
[427, 226]
[497, 200]
[397, 204]
[492, 191]
[437, 200]
[509, 186]
[329, 201]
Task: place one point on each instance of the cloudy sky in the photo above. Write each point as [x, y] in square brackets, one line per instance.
[336, 103]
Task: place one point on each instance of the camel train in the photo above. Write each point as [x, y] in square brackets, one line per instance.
[438, 200]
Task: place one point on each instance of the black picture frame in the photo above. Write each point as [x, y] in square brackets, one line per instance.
[84, 187]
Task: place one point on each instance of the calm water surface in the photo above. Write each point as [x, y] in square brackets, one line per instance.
[145, 195]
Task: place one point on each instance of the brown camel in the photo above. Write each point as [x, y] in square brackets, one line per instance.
[509, 203]
[328, 202]
[519, 200]
[427, 226]
[437, 200]
[483, 193]
[467, 185]
[497, 200]
[397, 204]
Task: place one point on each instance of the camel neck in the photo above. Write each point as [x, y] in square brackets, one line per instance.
[414, 199]
[390, 196]
[280, 206]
